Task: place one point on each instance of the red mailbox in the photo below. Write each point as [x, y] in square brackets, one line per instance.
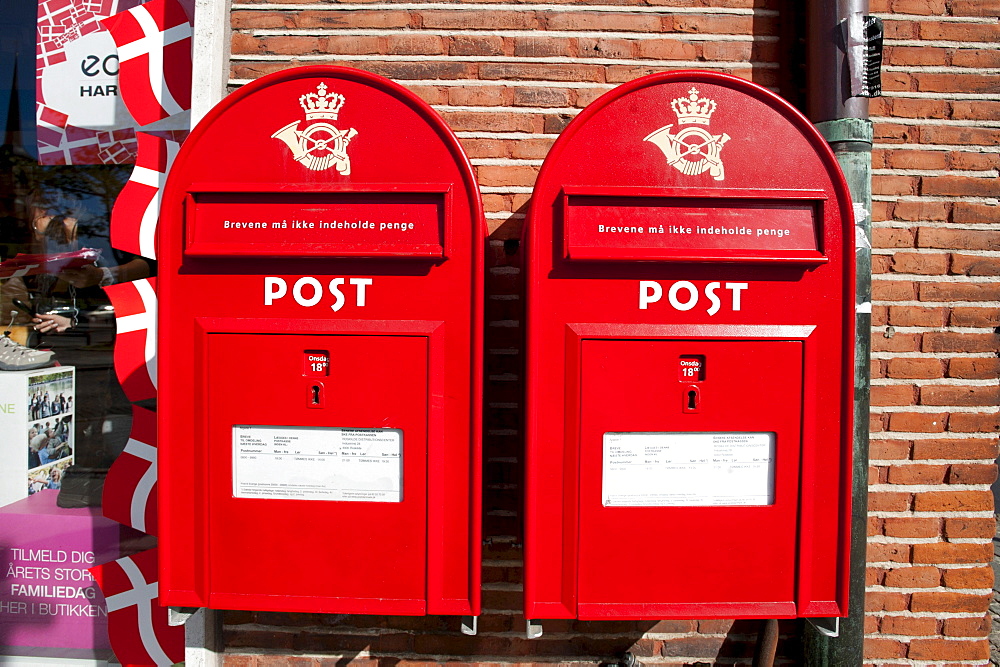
[320, 345]
[690, 353]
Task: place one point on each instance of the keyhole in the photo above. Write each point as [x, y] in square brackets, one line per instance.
[692, 399]
[315, 394]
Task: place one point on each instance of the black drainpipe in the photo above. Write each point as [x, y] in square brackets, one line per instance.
[842, 117]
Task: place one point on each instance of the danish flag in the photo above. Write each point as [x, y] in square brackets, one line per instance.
[130, 485]
[135, 347]
[137, 624]
[137, 209]
[154, 49]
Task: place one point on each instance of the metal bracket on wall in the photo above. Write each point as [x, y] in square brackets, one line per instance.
[180, 615]
[470, 625]
[829, 627]
[533, 629]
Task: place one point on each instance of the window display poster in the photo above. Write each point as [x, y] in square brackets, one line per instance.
[80, 116]
[37, 418]
[49, 601]
[50, 429]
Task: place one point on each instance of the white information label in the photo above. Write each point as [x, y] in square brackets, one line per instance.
[318, 463]
[688, 469]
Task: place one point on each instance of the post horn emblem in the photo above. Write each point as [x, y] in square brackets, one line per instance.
[319, 145]
[693, 149]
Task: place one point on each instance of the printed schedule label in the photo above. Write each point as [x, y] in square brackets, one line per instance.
[687, 469]
[318, 463]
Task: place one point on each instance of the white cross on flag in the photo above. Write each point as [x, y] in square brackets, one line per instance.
[154, 48]
[137, 209]
[130, 485]
[137, 624]
[135, 346]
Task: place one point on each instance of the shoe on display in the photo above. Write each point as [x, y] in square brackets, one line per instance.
[17, 357]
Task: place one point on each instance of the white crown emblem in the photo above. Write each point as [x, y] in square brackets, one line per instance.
[690, 109]
[322, 105]
[319, 145]
[692, 150]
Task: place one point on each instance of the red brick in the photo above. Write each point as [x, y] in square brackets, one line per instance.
[955, 450]
[921, 263]
[914, 159]
[917, 316]
[952, 501]
[543, 46]
[909, 626]
[882, 263]
[893, 395]
[490, 175]
[963, 239]
[719, 24]
[918, 474]
[894, 185]
[876, 368]
[973, 160]
[470, 20]
[903, 107]
[476, 45]
[920, 211]
[962, 527]
[971, 422]
[476, 96]
[972, 473]
[941, 601]
[355, 18]
[541, 97]
[415, 44]
[601, 47]
[893, 237]
[918, 422]
[954, 291]
[945, 649]
[946, 552]
[958, 32]
[884, 501]
[914, 368]
[943, 341]
[974, 265]
[891, 341]
[893, 290]
[969, 213]
[888, 552]
[971, 367]
[953, 82]
[969, 577]
[881, 648]
[959, 135]
[967, 627]
[919, 7]
[881, 450]
[900, 526]
[667, 48]
[958, 186]
[964, 396]
[988, 8]
[603, 21]
[913, 577]
[534, 71]
[886, 601]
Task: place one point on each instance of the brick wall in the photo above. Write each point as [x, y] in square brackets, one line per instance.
[934, 367]
[507, 78]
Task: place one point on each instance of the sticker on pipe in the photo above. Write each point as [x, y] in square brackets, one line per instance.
[660, 469]
[318, 463]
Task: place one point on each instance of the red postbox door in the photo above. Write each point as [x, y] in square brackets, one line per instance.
[320, 354]
[690, 318]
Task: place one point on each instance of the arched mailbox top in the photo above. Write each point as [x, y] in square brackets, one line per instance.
[291, 143]
[708, 146]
